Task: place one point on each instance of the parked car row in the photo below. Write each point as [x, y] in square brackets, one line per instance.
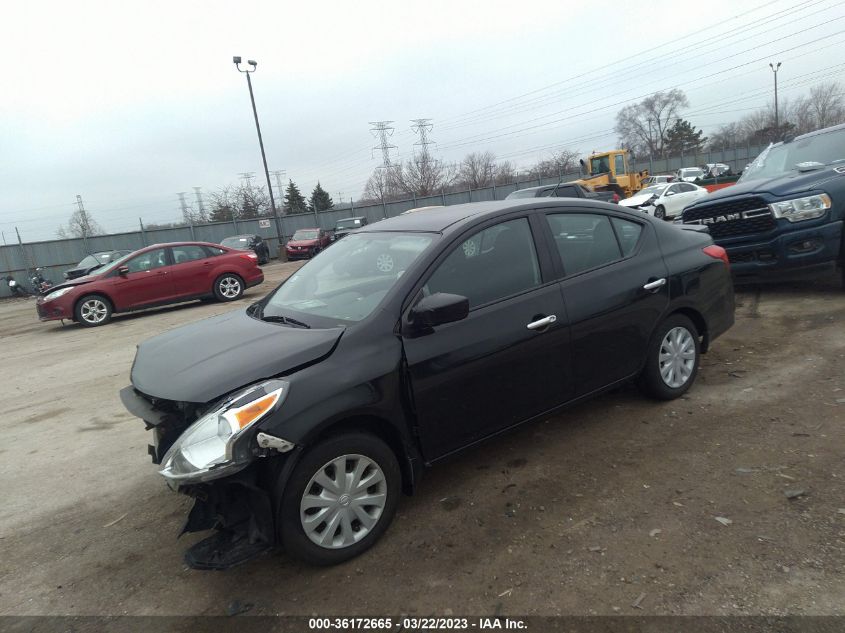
[299, 420]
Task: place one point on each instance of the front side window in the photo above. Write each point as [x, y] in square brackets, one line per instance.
[495, 263]
[182, 254]
[584, 240]
[620, 163]
[147, 261]
[347, 281]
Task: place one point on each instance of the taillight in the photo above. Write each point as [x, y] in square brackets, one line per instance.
[616, 197]
[250, 256]
[717, 252]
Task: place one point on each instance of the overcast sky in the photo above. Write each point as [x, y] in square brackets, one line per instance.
[127, 103]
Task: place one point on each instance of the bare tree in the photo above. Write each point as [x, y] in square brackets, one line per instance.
[422, 175]
[380, 185]
[642, 127]
[505, 173]
[477, 170]
[726, 136]
[242, 201]
[81, 224]
[561, 162]
[827, 104]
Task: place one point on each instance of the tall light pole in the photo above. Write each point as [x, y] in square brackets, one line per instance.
[777, 121]
[248, 72]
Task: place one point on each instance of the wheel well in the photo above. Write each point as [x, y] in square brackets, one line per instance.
[699, 323]
[382, 429]
[92, 294]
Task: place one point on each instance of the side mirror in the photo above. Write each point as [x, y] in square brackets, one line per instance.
[438, 309]
[670, 193]
[123, 271]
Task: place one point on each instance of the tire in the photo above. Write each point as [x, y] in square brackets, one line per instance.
[660, 212]
[315, 251]
[670, 378]
[228, 287]
[351, 536]
[92, 311]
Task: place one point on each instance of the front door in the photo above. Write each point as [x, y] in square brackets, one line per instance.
[607, 262]
[490, 371]
[148, 280]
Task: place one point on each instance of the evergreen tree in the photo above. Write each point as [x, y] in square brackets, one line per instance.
[320, 199]
[682, 138]
[294, 200]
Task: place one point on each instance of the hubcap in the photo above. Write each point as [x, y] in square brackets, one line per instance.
[659, 213]
[343, 501]
[677, 357]
[230, 287]
[94, 311]
[384, 263]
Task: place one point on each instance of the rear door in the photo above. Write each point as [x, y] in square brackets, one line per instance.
[606, 263]
[191, 270]
[148, 280]
[490, 371]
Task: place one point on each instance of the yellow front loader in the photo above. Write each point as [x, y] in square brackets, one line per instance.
[612, 171]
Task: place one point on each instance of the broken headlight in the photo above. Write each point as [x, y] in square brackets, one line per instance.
[799, 209]
[207, 449]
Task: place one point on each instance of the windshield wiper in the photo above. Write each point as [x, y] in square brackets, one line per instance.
[277, 318]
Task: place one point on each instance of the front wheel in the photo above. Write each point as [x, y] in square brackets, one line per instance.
[660, 213]
[228, 287]
[340, 499]
[92, 311]
[672, 362]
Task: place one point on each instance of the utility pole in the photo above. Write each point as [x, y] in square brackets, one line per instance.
[200, 205]
[83, 221]
[382, 130]
[254, 64]
[777, 119]
[650, 150]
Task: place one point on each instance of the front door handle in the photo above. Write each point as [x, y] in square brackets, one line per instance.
[542, 323]
[654, 285]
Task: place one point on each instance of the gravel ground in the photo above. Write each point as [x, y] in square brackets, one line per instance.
[678, 508]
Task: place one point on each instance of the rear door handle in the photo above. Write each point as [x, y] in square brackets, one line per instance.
[542, 323]
[654, 285]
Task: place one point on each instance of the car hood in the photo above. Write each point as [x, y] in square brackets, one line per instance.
[76, 281]
[793, 182]
[633, 201]
[302, 242]
[205, 360]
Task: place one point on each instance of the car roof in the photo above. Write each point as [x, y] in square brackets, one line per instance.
[233, 237]
[166, 244]
[357, 217]
[313, 228]
[442, 219]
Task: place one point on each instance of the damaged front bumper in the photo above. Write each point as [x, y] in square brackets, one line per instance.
[238, 505]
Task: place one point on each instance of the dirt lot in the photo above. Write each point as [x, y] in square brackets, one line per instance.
[580, 514]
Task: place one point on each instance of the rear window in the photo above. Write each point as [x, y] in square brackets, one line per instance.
[236, 242]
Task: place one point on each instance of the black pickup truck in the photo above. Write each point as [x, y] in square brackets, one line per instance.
[784, 217]
[564, 190]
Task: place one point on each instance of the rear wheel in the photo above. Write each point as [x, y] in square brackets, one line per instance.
[315, 251]
[92, 310]
[228, 287]
[340, 499]
[660, 213]
[672, 362]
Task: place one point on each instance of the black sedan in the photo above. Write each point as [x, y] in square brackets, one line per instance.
[253, 243]
[92, 262]
[300, 420]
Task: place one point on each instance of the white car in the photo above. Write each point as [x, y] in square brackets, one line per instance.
[689, 174]
[665, 201]
[660, 179]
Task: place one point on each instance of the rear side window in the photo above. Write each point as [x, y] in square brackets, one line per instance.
[495, 263]
[628, 234]
[566, 192]
[182, 254]
[214, 251]
[583, 240]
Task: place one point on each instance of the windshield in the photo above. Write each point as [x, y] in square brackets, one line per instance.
[653, 190]
[776, 160]
[112, 266]
[599, 165]
[94, 260]
[526, 193]
[305, 235]
[236, 242]
[347, 281]
[352, 223]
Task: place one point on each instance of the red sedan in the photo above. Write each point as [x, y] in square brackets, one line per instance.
[153, 276]
[306, 243]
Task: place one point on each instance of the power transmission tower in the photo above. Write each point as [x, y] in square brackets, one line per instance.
[84, 222]
[247, 176]
[198, 193]
[279, 174]
[186, 214]
[382, 130]
[421, 127]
